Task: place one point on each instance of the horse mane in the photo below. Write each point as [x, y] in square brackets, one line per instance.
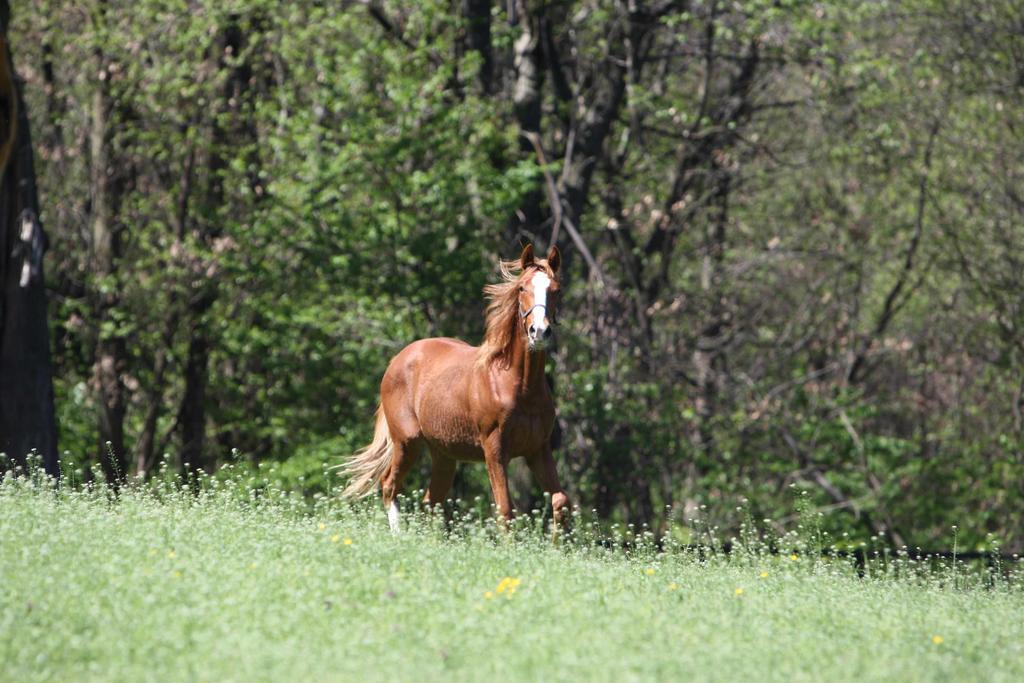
[502, 316]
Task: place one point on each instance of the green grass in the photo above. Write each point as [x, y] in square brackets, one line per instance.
[170, 586]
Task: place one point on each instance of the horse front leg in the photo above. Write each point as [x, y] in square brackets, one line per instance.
[543, 467]
[497, 472]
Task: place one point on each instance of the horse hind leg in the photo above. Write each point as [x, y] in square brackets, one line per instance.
[403, 457]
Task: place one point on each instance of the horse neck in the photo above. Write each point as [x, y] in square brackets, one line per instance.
[527, 366]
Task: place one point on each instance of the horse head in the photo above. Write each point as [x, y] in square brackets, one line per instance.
[538, 295]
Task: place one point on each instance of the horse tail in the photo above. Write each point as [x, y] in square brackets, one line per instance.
[367, 466]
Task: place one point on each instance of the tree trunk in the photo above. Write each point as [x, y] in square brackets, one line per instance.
[192, 418]
[145, 448]
[111, 351]
[527, 81]
[27, 419]
[477, 14]
[708, 353]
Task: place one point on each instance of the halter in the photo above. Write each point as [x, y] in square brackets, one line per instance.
[536, 305]
[551, 319]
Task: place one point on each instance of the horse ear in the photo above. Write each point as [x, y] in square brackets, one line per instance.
[554, 259]
[526, 258]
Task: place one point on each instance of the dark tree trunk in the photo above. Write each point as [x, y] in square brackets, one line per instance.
[27, 419]
[192, 418]
[477, 14]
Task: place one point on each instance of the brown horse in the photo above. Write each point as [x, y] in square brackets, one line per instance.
[473, 404]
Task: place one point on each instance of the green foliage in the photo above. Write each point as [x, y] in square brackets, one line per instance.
[307, 188]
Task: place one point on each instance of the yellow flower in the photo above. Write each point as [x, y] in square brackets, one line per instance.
[649, 571]
[672, 586]
[793, 557]
[347, 541]
[252, 566]
[176, 575]
[764, 575]
[937, 640]
[508, 586]
[335, 538]
[321, 526]
[488, 595]
[171, 554]
[739, 591]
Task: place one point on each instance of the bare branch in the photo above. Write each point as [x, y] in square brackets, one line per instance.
[560, 218]
[890, 306]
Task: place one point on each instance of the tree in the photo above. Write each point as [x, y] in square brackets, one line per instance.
[27, 420]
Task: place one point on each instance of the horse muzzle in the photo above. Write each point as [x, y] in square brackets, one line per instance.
[538, 338]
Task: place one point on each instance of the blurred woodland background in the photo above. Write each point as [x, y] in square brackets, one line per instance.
[793, 238]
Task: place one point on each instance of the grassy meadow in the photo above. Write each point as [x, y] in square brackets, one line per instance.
[163, 584]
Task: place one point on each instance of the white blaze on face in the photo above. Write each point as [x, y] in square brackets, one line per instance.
[538, 322]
